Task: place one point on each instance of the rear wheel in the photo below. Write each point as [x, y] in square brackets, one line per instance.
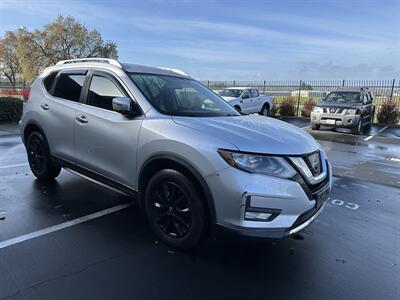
[265, 110]
[315, 126]
[39, 157]
[174, 209]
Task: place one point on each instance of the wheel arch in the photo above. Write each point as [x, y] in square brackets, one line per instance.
[31, 127]
[168, 161]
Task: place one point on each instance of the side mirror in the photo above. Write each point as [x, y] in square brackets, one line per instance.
[246, 96]
[125, 106]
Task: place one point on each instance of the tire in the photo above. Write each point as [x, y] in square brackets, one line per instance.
[369, 125]
[315, 126]
[265, 110]
[174, 210]
[39, 157]
[358, 129]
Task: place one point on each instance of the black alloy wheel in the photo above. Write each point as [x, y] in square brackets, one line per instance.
[39, 157]
[175, 209]
[35, 151]
[171, 209]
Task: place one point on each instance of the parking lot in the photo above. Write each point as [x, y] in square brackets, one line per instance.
[72, 239]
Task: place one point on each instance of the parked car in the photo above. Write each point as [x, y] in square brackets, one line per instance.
[248, 100]
[347, 108]
[194, 163]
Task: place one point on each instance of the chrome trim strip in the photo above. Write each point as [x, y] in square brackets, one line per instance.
[304, 169]
[308, 222]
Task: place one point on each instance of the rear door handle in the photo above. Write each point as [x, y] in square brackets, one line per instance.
[45, 106]
[81, 119]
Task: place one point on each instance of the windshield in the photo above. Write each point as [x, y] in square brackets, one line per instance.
[181, 97]
[343, 97]
[231, 93]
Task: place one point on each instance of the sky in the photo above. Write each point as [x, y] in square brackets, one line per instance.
[235, 39]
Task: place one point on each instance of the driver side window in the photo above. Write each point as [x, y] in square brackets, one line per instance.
[246, 94]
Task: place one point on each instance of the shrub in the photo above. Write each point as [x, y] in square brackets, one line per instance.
[10, 109]
[307, 107]
[389, 113]
[287, 107]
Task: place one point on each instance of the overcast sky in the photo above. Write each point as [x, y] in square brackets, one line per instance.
[242, 40]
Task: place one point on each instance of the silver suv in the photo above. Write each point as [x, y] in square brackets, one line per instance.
[194, 163]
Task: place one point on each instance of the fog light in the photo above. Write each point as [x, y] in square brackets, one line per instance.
[254, 216]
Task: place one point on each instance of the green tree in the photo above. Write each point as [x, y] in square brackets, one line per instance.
[25, 53]
[9, 63]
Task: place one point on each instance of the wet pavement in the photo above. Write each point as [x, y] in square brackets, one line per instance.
[351, 251]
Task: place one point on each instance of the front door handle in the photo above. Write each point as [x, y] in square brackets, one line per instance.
[81, 119]
[45, 106]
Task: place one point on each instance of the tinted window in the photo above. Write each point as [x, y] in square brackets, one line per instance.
[102, 91]
[181, 96]
[254, 93]
[69, 86]
[48, 81]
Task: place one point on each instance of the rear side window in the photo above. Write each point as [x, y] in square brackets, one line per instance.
[48, 81]
[69, 86]
[102, 91]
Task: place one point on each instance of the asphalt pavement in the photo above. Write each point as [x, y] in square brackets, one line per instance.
[72, 239]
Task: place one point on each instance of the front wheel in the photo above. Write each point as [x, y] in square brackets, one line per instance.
[39, 157]
[174, 210]
[358, 129]
[315, 126]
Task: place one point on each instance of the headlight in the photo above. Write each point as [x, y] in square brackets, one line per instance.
[256, 163]
[351, 112]
[318, 109]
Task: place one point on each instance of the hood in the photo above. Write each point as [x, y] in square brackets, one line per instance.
[340, 105]
[257, 134]
[228, 98]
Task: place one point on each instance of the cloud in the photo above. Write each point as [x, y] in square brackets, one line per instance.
[315, 70]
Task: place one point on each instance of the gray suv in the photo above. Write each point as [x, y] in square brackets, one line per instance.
[346, 107]
[194, 163]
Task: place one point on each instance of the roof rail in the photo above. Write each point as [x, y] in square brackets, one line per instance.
[90, 59]
[176, 71]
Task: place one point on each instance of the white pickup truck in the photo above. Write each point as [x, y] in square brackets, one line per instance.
[247, 100]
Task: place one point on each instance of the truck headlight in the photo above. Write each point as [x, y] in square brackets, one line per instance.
[258, 163]
[318, 110]
[351, 111]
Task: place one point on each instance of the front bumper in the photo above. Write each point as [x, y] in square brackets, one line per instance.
[294, 205]
[334, 120]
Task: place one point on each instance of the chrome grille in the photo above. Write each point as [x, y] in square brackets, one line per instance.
[313, 162]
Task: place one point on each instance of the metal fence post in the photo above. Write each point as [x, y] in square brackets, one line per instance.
[264, 88]
[298, 99]
[208, 83]
[343, 82]
[234, 83]
[391, 91]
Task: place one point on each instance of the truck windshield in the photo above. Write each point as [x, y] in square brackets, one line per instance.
[181, 96]
[343, 97]
[231, 93]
